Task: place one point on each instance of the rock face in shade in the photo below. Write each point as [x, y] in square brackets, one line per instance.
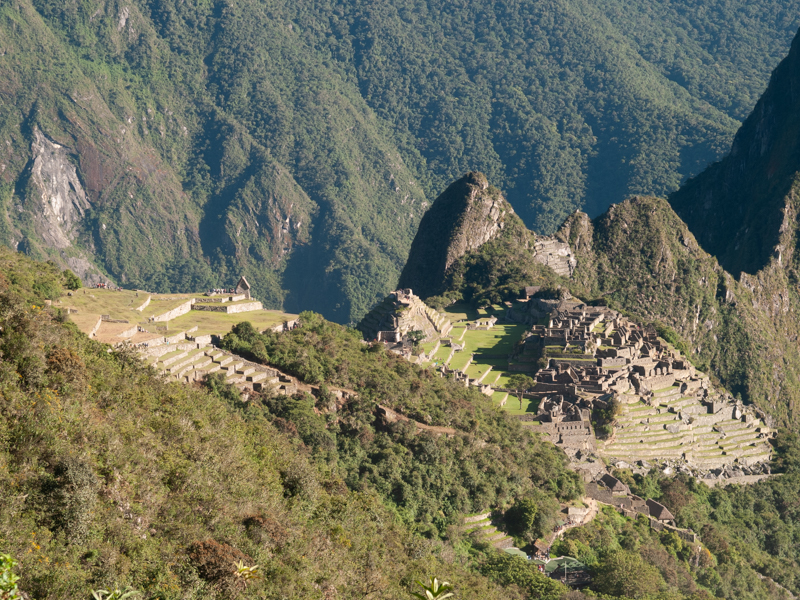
[739, 208]
[465, 216]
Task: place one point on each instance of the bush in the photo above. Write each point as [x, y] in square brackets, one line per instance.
[71, 281]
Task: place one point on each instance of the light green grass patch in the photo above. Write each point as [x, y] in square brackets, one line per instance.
[512, 405]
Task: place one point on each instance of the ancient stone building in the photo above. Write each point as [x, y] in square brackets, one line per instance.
[243, 287]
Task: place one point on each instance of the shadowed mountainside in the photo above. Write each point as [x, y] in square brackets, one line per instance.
[740, 207]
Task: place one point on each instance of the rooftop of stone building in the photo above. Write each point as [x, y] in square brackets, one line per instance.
[659, 512]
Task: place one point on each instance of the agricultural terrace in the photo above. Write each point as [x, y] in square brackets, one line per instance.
[92, 303]
[485, 353]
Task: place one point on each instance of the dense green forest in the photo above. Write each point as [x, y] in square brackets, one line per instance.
[300, 143]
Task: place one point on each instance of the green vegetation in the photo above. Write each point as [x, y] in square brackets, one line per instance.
[113, 479]
[91, 303]
[460, 477]
[640, 259]
[746, 532]
[302, 147]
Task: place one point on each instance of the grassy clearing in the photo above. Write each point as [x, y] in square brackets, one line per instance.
[459, 360]
[221, 323]
[119, 305]
[461, 312]
[512, 405]
[498, 397]
[91, 303]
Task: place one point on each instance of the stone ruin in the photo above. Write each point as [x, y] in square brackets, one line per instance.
[670, 411]
[401, 313]
[556, 255]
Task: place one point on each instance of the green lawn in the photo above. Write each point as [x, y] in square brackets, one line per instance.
[459, 360]
[503, 381]
[513, 406]
[221, 323]
[500, 339]
[458, 312]
[426, 347]
[497, 397]
[119, 305]
[478, 364]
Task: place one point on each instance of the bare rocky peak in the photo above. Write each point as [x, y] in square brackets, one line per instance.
[481, 218]
[465, 216]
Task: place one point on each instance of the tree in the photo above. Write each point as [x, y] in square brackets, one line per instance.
[71, 281]
[8, 579]
[626, 574]
[519, 383]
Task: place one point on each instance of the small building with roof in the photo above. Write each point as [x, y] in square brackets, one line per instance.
[615, 485]
[660, 512]
[243, 287]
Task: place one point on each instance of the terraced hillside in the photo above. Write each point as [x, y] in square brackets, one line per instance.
[709, 440]
[138, 317]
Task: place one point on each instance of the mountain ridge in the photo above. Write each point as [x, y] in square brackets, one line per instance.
[300, 148]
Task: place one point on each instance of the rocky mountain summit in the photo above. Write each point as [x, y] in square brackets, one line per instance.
[466, 216]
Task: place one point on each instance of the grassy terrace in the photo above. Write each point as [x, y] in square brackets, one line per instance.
[513, 406]
[221, 323]
[489, 349]
[91, 303]
[497, 397]
[119, 305]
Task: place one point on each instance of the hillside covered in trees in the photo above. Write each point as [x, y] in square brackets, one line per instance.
[175, 146]
[112, 478]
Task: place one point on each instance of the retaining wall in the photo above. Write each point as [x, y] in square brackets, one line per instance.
[229, 308]
[175, 312]
[145, 305]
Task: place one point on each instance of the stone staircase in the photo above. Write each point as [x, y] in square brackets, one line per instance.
[189, 361]
[389, 315]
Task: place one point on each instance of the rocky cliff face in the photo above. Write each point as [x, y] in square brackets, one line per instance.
[57, 206]
[737, 208]
[62, 201]
[468, 214]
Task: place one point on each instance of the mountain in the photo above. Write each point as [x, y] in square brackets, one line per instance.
[112, 476]
[467, 215]
[640, 258]
[172, 146]
[742, 208]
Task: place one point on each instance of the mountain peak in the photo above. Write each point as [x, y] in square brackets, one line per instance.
[737, 208]
[465, 216]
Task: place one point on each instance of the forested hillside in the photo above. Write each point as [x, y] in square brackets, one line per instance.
[112, 477]
[298, 143]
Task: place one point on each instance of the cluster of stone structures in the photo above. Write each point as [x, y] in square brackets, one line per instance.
[400, 314]
[667, 410]
[610, 490]
[556, 255]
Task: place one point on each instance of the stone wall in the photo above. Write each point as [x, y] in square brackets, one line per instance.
[176, 312]
[145, 305]
[229, 308]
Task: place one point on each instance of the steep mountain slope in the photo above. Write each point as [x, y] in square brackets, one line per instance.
[639, 257]
[110, 476]
[740, 208]
[198, 156]
[564, 104]
[297, 143]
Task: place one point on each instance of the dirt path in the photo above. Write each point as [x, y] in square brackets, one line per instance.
[392, 416]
